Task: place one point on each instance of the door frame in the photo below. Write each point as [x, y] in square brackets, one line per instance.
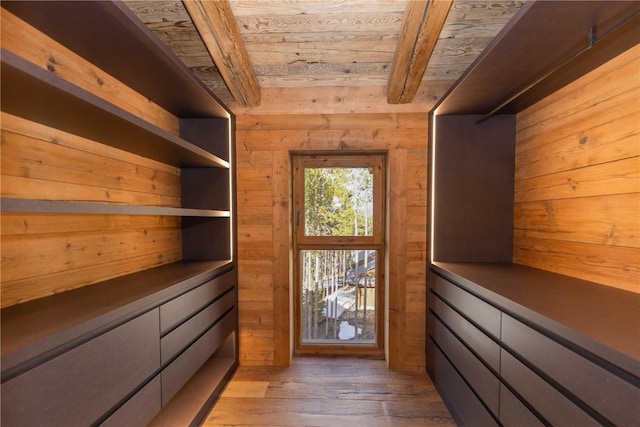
[376, 241]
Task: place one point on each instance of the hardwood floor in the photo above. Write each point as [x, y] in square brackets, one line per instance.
[330, 392]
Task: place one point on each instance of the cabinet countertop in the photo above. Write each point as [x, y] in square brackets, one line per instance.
[602, 320]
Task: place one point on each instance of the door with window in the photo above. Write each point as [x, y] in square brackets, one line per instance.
[339, 254]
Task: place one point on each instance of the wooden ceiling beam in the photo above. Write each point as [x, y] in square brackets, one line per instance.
[421, 27]
[219, 30]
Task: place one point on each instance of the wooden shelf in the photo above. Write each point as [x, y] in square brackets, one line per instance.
[503, 80]
[36, 94]
[150, 67]
[42, 336]
[39, 330]
[88, 208]
[193, 402]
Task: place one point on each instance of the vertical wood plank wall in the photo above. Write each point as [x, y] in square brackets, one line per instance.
[49, 253]
[263, 150]
[577, 179]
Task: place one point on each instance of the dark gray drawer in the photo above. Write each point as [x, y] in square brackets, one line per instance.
[185, 334]
[484, 346]
[608, 394]
[549, 402]
[140, 409]
[485, 384]
[184, 306]
[81, 385]
[463, 404]
[176, 374]
[478, 311]
[514, 413]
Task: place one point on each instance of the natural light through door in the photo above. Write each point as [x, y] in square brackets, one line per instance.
[339, 249]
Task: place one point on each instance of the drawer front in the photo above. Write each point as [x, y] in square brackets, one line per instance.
[463, 404]
[81, 385]
[481, 313]
[609, 395]
[484, 346]
[185, 334]
[485, 384]
[549, 402]
[184, 306]
[180, 370]
[514, 413]
[140, 409]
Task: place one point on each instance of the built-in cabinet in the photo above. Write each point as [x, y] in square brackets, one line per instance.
[508, 344]
[132, 349]
[525, 351]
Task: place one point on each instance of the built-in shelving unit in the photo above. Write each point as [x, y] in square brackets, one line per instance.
[29, 91]
[509, 344]
[515, 345]
[61, 206]
[106, 338]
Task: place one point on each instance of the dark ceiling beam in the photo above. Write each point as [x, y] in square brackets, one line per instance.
[219, 31]
[421, 27]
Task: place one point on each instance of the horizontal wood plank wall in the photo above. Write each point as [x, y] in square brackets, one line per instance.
[577, 190]
[27, 42]
[263, 150]
[44, 254]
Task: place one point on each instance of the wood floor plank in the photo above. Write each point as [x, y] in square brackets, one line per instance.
[329, 392]
[246, 389]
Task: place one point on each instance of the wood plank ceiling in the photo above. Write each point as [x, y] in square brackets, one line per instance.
[323, 51]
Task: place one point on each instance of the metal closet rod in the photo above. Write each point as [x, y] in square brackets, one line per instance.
[593, 41]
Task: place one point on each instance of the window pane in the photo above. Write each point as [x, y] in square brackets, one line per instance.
[338, 202]
[338, 296]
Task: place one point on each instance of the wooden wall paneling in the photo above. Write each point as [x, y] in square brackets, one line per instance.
[32, 288]
[416, 258]
[331, 121]
[263, 143]
[572, 125]
[396, 251]
[255, 253]
[255, 305]
[82, 178]
[39, 254]
[282, 250]
[335, 139]
[34, 169]
[52, 151]
[38, 48]
[609, 220]
[611, 90]
[39, 162]
[340, 100]
[26, 224]
[617, 266]
[577, 187]
[599, 84]
[615, 177]
[568, 152]
[47, 254]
